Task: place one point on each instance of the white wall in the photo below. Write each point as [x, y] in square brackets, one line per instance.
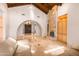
[73, 26]
[20, 30]
[31, 13]
[6, 24]
[0, 12]
[73, 23]
[36, 29]
[63, 9]
[42, 20]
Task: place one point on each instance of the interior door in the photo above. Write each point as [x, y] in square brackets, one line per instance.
[62, 28]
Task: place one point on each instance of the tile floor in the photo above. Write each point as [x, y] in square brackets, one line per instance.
[39, 46]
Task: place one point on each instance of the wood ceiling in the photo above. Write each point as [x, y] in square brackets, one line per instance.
[45, 7]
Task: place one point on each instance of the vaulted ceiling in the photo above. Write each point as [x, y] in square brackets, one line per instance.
[45, 7]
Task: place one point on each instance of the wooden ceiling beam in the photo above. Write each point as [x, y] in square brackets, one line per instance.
[42, 7]
[16, 4]
[45, 4]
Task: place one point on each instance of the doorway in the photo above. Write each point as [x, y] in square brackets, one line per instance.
[27, 29]
[62, 28]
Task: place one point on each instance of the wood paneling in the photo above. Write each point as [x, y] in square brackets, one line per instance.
[62, 28]
[45, 7]
[16, 4]
[42, 7]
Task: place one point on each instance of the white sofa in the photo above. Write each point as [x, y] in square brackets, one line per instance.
[8, 47]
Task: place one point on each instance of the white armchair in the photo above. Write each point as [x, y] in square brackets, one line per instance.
[8, 47]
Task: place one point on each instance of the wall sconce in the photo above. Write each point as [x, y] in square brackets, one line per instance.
[23, 14]
[38, 16]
